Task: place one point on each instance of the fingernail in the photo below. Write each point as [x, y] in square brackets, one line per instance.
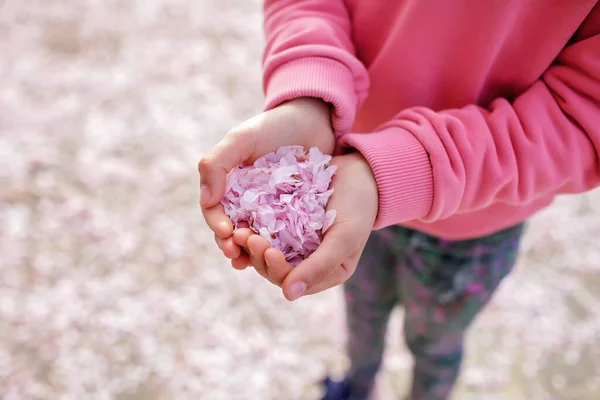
[204, 194]
[297, 289]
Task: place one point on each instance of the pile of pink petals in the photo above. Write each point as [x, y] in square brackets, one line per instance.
[283, 196]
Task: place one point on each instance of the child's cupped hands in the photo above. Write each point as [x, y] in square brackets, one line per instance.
[355, 199]
[303, 121]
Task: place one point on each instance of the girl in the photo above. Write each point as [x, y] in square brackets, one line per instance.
[452, 122]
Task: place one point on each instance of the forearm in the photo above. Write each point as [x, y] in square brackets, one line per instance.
[430, 165]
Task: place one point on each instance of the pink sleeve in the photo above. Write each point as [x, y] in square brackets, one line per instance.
[309, 53]
[430, 165]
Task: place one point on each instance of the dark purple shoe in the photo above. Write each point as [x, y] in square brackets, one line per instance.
[336, 390]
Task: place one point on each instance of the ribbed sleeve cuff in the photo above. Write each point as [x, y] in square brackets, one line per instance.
[403, 173]
[319, 77]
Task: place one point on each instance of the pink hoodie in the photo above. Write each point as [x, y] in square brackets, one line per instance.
[472, 114]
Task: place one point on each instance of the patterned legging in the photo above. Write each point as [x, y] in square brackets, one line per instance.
[442, 285]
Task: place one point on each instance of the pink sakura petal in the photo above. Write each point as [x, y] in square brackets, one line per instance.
[249, 200]
[290, 239]
[329, 217]
[265, 234]
[282, 175]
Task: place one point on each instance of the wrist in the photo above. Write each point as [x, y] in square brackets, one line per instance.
[314, 107]
[311, 102]
[315, 115]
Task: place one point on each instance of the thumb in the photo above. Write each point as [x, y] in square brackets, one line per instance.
[326, 263]
[233, 150]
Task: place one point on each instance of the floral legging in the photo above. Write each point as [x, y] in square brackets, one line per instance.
[442, 285]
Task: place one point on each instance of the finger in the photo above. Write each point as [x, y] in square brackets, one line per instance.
[277, 266]
[241, 236]
[229, 249]
[241, 262]
[236, 147]
[218, 221]
[257, 246]
[338, 244]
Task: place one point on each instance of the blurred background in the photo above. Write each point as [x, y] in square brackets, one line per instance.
[110, 284]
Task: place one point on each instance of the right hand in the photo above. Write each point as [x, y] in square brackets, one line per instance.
[304, 121]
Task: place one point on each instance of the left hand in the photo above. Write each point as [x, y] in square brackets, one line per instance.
[356, 201]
